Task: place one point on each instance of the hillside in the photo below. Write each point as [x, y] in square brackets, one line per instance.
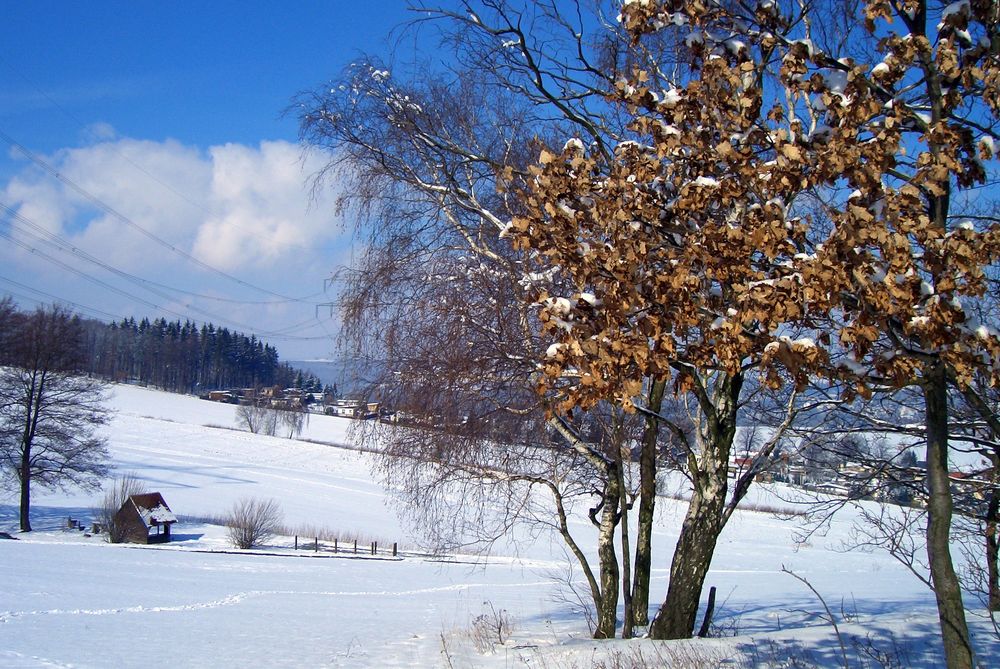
[74, 600]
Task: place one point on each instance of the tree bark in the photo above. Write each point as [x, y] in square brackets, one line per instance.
[692, 558]
[951, 611]
[607, 608]
[993, 550]
[25, 479]
[27, 438]
[647, 507]
[704, 520]
[628, 615]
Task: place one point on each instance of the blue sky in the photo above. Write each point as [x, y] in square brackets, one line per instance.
[179, 171]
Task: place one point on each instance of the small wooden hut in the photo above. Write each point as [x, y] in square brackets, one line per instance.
[146, 519]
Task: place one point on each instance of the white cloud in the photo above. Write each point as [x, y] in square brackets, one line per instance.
[235, 207]
[260, 203]
[244, 210]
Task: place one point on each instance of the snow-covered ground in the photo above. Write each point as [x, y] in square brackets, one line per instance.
[72, 600]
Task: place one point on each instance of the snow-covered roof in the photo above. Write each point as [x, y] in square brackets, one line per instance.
[157, 515]
[153, 509]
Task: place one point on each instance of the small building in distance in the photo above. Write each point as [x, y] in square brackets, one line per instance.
[146, 519]
[352, 408]
[226, 396]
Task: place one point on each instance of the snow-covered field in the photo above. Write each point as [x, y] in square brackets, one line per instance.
[71, 600]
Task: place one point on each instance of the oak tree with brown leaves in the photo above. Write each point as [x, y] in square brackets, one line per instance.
[687, 250]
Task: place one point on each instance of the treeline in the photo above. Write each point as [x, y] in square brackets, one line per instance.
[186, 357]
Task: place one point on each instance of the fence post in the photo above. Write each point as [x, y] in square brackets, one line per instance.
[335, 544]
[393, 549]
[316, 544]
[374, 547]
[709, 610]
[355, 545]
[296, 542]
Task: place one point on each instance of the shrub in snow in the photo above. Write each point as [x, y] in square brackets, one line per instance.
[491, 629]
[252, 522]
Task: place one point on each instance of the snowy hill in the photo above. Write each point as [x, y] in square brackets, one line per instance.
[69, 599]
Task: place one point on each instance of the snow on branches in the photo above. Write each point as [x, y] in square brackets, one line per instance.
[725, 225]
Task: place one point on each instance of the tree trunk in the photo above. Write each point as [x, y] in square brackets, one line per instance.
[951, 611]
[992, 541]
[628, 615]
[25, 480]
[607, 607]
[704, 520]
[647, 507]
[993, 548]
[692, 558]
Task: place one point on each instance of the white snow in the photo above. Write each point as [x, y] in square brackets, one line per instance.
[671, 97]
[73, 600]
[158, 514]
[693, 38]
[559, 305]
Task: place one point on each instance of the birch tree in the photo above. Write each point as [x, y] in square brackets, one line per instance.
[441, 297]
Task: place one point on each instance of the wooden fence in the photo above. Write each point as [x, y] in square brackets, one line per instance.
[348, 548]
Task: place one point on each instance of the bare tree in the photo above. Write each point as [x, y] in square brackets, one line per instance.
[293, 419]
[421, 161]
[252, 522]
[260, 415]
[256, 417]
[49, 415]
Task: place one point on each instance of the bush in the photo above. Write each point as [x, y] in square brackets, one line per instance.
[252, 522]
[124, 486]
[491, 629]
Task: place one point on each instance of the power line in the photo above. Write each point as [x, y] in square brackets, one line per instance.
[65, 246]
[111, 211]
[280, 335]
[54, 298]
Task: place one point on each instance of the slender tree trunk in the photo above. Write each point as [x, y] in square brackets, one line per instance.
[992, 540]
[993, 550]
[607, 609]
[704, 520]
[592, 583]
[647, 507]
[628, 616]
[951, 611]
[25, 479]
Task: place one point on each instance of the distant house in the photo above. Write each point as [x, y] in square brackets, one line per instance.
[221, 396]
[352, 408]
[146, 519]
[348, 408]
